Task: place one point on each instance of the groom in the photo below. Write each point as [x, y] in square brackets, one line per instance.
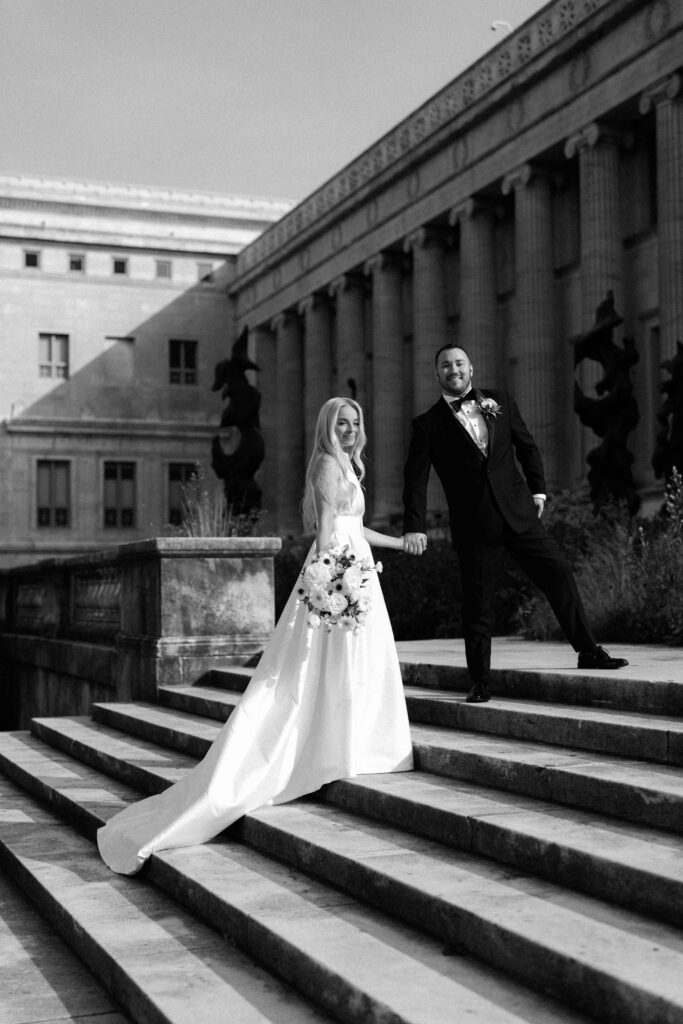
[471, 438]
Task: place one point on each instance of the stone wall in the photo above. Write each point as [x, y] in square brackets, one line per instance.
[116, 624]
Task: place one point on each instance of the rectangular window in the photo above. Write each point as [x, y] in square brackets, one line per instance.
[164, 269]
[76, 262]
[53, 355]
[120, 265]
[179, 475]
[119, 495]
[53, 493]
[182, 361]
[205, 273]
[31, 259]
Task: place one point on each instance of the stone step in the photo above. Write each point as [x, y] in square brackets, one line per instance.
[546, 672]
[606, 961]
[624, 863]
[40, 978]
[160, 964]
[236, 677]
[633, 790]
[629, 865]
[649, 737]
[355, 961]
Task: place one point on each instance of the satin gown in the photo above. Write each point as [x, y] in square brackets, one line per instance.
[320, 706]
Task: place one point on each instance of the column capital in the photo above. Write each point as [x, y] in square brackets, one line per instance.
[425, 237]
[345, 283]
[313, 301]
[386, 260]
[666, 89]
[525, 175]
[594, 134]
[471, 208]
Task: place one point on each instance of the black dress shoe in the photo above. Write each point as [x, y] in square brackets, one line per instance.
[479, 694]
[599, 658]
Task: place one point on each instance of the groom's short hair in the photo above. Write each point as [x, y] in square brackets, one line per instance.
[445, 348]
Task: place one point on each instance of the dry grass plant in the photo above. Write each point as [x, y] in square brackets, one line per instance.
[629, 573]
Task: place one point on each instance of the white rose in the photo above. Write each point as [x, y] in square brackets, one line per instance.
[336, 603]
[351, 581]
[317, 575]
[313, 620]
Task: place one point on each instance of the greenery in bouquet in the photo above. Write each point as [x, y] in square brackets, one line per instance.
[332, 589]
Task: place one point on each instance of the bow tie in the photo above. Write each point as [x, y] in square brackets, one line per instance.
[457, 403]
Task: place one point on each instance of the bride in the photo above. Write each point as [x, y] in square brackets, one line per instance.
[321, 705]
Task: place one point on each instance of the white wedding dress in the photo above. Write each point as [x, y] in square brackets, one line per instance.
[320, 706]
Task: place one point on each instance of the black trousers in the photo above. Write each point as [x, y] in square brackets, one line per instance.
[540, 558]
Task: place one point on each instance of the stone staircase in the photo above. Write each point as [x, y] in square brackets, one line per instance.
[529, 870]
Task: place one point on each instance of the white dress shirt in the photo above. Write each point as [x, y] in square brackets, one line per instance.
[474, 422]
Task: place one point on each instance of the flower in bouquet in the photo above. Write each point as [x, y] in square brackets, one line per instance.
[333, 589]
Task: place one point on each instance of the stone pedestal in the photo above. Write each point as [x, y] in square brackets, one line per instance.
[387, 419]
[189, 605]
[117, 624]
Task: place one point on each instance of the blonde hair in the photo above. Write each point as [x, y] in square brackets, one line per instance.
[326, 446]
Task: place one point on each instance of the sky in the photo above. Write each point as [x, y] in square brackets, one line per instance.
[248, 97]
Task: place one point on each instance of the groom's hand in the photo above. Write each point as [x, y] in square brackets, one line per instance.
[415, 543]
[539, 502]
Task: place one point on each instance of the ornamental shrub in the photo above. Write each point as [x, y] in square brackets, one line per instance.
[629, 572]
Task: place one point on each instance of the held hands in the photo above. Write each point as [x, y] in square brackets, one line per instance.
[415, 543]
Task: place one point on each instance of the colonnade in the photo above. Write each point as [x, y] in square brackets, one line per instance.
[353, 335]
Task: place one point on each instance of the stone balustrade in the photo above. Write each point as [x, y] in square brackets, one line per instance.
[116, 624]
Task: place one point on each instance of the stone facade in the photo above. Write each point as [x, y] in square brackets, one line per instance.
[497, 215]
[114, 311]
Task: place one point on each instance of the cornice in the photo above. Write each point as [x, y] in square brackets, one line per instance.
[538, 35]
[91, 195]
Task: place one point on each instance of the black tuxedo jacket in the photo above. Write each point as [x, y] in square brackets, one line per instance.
[479, 489]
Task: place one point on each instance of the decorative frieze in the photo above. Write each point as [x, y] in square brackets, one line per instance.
[518, 49]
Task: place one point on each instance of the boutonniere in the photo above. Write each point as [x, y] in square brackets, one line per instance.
[490, 407]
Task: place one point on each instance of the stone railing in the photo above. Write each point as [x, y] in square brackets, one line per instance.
[116, 624]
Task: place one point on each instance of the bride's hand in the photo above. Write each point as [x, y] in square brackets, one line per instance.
[415, 543]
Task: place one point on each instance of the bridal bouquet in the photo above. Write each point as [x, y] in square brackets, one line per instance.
[332, 589]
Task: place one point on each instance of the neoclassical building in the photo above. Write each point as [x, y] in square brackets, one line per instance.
[114, 311]
[496, 216]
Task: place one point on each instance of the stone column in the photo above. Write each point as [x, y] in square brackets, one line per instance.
[429, 310]
[290, 421]
[387, 420]
[665, 97]
[600, 212]
[478, 296]
[429, 332]
[317, 381]
[601, 244]
[264, 352]
[348, 291]
[533, 346]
